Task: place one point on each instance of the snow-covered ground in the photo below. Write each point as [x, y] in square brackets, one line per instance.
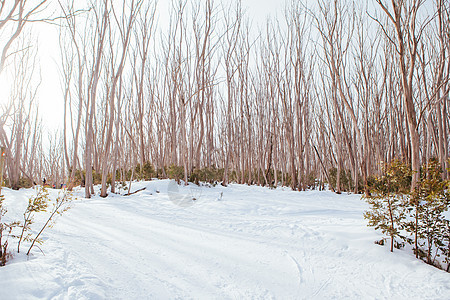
[237, 242]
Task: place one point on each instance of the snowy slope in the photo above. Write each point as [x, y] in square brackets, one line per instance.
[230, 243]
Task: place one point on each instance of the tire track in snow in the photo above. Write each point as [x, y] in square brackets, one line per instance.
[177, 241]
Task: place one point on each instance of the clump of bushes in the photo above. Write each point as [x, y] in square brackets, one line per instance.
[175, 172]
[147, 172]
[311, 181]
[413, 216]
[211, 175]
[346, 182]
[23, 182]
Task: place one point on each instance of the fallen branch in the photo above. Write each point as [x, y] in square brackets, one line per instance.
[128, 194]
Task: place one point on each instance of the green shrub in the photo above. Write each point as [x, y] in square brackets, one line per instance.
[210, 175]
[346, 182]
[148, 171]
[175, 172]
[310, 181]
[428, 203]
[417, 217]
[388, 200]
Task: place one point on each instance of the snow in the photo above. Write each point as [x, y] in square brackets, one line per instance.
[231, 242]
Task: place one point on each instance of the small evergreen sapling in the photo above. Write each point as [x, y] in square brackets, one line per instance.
[61, 205]
[388, 199]
[432, 200]
[35, 204]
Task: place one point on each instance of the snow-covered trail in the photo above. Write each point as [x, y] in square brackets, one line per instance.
[255, 243]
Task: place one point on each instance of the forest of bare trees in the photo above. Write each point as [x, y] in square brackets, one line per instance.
[325, 93]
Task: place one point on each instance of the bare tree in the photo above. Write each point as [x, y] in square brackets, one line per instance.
[101, 19]
[233, 20]
[22, 112]
[403, 16]
[125, 25]
[16, 12]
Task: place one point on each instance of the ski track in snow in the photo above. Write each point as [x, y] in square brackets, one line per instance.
[255, 243]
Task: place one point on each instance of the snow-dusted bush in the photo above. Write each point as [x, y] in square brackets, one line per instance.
[416, 217]
[388, 199]
[23, 231]
[428, 203]
[60, 205]
[35, 204]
